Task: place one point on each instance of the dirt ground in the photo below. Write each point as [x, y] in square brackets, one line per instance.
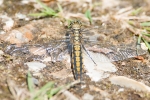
[115, 22]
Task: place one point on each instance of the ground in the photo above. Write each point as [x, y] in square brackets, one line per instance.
[114, 22]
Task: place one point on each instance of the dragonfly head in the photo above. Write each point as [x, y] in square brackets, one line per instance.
[76, 25]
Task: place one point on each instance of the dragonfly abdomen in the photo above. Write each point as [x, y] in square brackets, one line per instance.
[77, 63]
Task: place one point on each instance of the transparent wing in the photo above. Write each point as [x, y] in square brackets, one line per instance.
[116, 53]
[55, 50]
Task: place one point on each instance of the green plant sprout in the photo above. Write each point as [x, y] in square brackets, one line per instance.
[48, 91]
[143, 38]
[145, 24]
[145, 35]
[46, 11]
[88, 15]
[136, 11]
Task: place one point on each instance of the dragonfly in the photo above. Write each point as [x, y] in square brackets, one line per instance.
[76, 45]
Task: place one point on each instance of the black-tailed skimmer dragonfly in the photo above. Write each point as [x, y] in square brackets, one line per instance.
[77, 46]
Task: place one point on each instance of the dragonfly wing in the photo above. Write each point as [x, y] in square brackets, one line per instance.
[116, 53]
[58, 55]
[39, 52]
[16, 50]
[122, 54]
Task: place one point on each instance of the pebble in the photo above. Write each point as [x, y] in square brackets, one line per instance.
[35, 66]
[87, 96]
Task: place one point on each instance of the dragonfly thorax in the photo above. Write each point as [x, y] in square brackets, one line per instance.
[76, 34]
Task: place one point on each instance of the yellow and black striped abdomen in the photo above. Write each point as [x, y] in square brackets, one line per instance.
[77, 63]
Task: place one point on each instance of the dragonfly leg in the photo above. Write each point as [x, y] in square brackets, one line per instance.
[89, 54]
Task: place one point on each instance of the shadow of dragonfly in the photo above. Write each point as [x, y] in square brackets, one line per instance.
[78, 47]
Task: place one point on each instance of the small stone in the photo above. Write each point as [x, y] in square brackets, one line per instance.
[35, 66]
[87, 96]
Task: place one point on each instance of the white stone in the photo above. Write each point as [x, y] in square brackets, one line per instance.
[35, 66]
